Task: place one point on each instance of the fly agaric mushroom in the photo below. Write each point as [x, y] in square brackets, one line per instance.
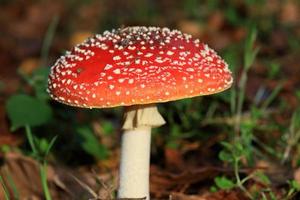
[137, 67]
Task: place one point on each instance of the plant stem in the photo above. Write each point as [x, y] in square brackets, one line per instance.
[238, 179]
[236, 172]
[48, 39]
[43, 174]
[240, 101]
[42, 166]
[30, 139]
[249, 57]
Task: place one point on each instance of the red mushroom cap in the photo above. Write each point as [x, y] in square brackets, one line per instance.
[137, 65]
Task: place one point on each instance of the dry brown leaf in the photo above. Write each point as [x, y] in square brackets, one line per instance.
[79, 37]
[216, 21]
[220, 195]
[7, 138]
[192, 27]
[225, 195]
[24, 172]
[180, 196]
[163, 182]
[277, 173]
[28, 65]
[290, 12]
[173, 159]
[297, 175]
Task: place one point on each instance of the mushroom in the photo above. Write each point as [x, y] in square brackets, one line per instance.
[137, 67]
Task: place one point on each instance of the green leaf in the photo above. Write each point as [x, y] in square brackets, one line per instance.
[298, 94]
[250, 51]
[172, 144]
[263, 178]
[227, 145]
[213, 189]
[108, 127]
[224, 183]
[274, 70]
[25, 110]
[39, 80]
[5, 148]
[295, 122]
[50, 145]
[295, 185]
[43, 145]
[232, 16]
[90, 143]
[225, 156]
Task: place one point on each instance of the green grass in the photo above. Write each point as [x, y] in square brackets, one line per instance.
[5, 189]
[43, 162]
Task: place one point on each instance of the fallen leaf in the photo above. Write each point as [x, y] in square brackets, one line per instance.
[215, 21]
[28, 65]
[24, 173]
[173, 159]
[290, 12]
[79, 37]
[192, 27]
[297, 175]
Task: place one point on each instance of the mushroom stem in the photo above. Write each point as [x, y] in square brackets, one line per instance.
[134, 168]
[135, 150]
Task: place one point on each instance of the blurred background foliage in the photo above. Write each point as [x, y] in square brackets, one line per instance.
[246, 137]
